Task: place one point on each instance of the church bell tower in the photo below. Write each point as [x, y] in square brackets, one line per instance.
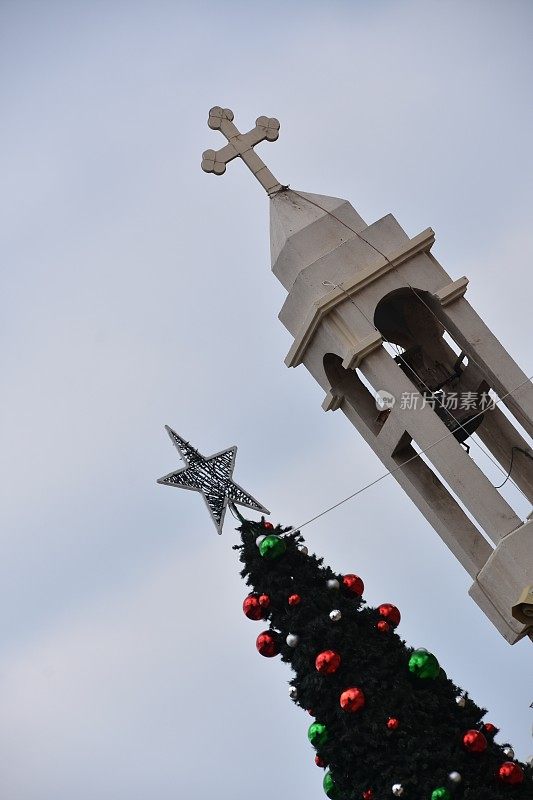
[396, 347]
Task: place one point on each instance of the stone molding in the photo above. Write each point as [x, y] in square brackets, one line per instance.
[453, 291]
[322, 307]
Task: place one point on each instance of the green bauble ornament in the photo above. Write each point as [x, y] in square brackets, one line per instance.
[424, 664]
[329, 786]
[272, 547]
[317, 734]
[441, 794]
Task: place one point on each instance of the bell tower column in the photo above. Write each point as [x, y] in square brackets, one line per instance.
[504, 374]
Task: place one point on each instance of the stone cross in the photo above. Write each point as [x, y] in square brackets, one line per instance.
[241, 144]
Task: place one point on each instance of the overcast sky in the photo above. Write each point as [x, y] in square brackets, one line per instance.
[136, 291]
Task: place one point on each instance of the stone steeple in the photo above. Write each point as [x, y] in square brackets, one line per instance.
[374, 314]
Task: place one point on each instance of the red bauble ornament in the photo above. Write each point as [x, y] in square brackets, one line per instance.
[311, 712]
[392, 723]
[320, 762]
[490, 729]
[264, 600]
[268, 525]
[327, 662]
[511, 773]
[382, 626]
[474, 741]
[368, 795]
[252, 608]
[353, 583]
[267, 644]
[390, 613]
[294, 599]
[352, 699]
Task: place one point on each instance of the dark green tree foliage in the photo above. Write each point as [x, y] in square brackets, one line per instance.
[364, 757]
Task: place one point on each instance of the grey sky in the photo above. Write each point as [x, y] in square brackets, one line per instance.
[137, 292]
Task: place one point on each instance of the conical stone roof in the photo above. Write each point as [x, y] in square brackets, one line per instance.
[305, 227]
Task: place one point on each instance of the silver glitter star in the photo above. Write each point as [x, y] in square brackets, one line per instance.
[212, 477]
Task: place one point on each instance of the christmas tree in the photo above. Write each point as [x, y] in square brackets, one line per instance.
[387, 721]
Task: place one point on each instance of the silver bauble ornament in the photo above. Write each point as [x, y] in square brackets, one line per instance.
[293, 692]
[303, 549]
[335, 615]
[460, 700]
[333, 583]
[292, 640]
[509, 752]
[455, 777]
[397, 790]
[259, 540]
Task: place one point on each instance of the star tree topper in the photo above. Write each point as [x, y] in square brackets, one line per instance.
[212, 477]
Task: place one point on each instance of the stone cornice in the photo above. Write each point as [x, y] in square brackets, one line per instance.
[322, 307]
[453, 291]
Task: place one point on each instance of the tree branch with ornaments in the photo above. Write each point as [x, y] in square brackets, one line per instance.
[386, 720]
